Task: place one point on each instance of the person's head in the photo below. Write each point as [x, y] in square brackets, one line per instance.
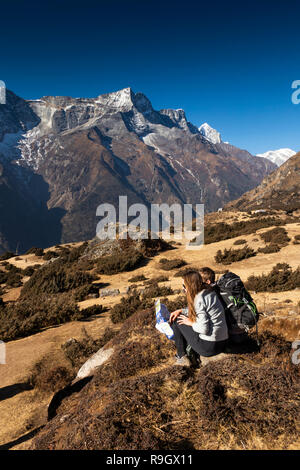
[192, 285]
[208, 275]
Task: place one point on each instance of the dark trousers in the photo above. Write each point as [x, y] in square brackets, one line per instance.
[184, 335]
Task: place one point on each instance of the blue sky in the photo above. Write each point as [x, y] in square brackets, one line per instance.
[230, 64]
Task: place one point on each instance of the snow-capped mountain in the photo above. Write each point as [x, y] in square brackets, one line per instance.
[278, 156]
[210, 134]
[61, 157]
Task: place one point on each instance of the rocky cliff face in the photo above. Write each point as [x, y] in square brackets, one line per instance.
[280, 190]
[65, 156]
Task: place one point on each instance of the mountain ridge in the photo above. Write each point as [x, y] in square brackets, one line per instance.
[279, 190]
[86, 151]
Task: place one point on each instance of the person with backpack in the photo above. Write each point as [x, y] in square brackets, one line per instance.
[203, 324]
[240, 310]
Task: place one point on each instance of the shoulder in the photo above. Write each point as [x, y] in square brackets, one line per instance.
[200, 298]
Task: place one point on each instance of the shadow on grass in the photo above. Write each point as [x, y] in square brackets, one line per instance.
[21, 439]
[12, 390]
[65, 392]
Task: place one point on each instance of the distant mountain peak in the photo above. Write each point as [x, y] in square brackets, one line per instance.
[210, 133]
[279, 156]
[122, 99]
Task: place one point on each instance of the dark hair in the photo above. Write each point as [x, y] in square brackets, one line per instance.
[207, 274]
[193, 284]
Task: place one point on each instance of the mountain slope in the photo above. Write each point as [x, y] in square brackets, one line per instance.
[280, 190]
[89, 151]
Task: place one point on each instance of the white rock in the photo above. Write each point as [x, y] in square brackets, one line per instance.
[96, 360]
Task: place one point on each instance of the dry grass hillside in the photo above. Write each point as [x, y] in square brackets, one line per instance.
[138, 399]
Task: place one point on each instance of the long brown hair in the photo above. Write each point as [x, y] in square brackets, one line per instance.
[193, 284]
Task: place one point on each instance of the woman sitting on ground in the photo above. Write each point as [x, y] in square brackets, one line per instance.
[203, 324]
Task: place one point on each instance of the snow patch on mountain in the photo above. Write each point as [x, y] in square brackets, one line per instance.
[211, 134]
[279, 156]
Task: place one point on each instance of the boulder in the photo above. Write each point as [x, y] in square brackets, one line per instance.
[109, 292]
[93, 362]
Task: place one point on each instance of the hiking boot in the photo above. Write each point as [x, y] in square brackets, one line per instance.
[182, 361]
[193, 357]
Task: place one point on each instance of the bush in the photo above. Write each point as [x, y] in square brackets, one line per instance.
[127, 306]
[6, 255]
[276, 236]
[29, 271]
[271, 248]
[77, 352]
[137, 278]
[92, 310]
[169, 264]
[281, 278]
[156, 280]
[240, 242]
[154, 290]
[120, 261]
[150, 247]
[55, 278]
[184, 271]
[12, 276]
[48, 378]
[35, 251]
[222, 231]
[175, 304]
[82, 292]
[50, 255]
[232, 256]
[26, 317]
[296, 240]
[135, 303]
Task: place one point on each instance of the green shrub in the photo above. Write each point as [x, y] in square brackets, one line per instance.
[175, 304]
[82, 292]
[150, 247]
[223, 231]
[156, 280]
[45, 377]
[6, 255]
[240, 242]
[232, 256]
[271, 248]
[29, 271]
[12, 276]
[154, 290]
[126, 307]
[26, 317]
[35, 251]
[92, 310]
[277, 235]
[137, 278]
[77, 352]
[122, 260]
[281, 278]
[169, 264]
[50, 254]
[55, 278]
[296, 240]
